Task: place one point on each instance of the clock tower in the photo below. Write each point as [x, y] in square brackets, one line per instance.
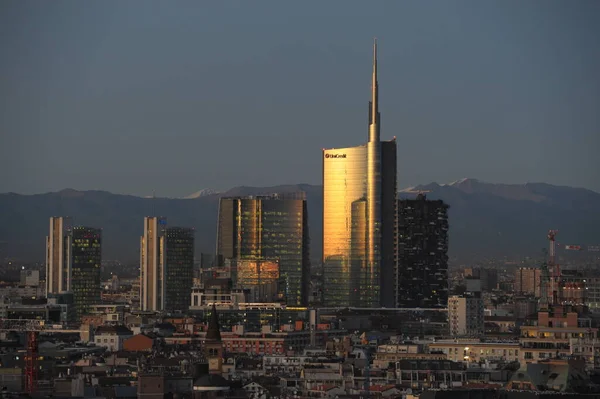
[213, 346]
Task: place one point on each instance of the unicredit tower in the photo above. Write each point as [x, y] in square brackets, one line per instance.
[359, 218]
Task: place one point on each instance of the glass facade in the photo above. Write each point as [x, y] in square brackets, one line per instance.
[179, 270]
[268, 228]
[422, 253]
[86, 250]
[344, 225]
[359, 218]
[261, 277]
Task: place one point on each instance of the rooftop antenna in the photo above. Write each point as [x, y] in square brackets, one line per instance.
[153, 203]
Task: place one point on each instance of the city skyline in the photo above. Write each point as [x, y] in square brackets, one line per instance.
[477, 95]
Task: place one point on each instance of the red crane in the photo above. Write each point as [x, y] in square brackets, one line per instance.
[32, 328]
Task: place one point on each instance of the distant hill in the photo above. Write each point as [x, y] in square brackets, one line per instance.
[485, 219]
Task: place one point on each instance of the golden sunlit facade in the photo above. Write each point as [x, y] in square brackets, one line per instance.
[359, 218]
[261, 276]
[344, 223]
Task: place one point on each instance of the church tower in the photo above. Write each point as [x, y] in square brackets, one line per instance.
[213, 346]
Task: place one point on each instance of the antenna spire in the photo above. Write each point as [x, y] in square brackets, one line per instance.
[374, 103]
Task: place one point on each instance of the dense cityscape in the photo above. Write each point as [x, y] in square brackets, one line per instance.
[381, 315]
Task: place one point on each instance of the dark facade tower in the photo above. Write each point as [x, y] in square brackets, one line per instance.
[422, 277]
[269, 228]
[359, 217]
[86, 253]
[179, 270]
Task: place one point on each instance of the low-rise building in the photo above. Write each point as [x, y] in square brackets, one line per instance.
[112, 337]
[559, 332]
[476, 351]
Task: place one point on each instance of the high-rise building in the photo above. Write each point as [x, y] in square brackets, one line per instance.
[153, 258]
[528, 281]
[179, 273]
[58, 255]
[422, 274]
[465, 316]
[359, 217]
[86, 252]
[166, 266]
[268, 228]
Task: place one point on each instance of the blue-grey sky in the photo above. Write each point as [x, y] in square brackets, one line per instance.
[175, 96]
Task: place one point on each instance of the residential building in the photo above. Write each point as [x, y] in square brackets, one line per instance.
[267, 228]
[112, 337]
[359, 218]
[528, 280]
[86, 255]
[476, 351]
[465, 316]
[559, 332]
[30, 278]
[58, 255]
[422, 274]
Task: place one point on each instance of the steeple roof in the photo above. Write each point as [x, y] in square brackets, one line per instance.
[214, 332]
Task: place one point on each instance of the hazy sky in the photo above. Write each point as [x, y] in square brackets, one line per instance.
[176, 96]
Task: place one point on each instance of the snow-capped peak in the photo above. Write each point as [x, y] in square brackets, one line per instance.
[460, 181]
[202, 193]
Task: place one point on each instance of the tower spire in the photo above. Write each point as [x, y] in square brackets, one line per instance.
[374, 103]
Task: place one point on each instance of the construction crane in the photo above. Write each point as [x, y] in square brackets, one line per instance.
[553, 266]
[544, 280]
[32, 328]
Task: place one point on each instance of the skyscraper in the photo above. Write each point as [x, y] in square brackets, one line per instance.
[166, 266]
[422, 279]
[268, 228]
[152, 263]
[179, 273]
[58, 255]
[359, 217]
[86, 252]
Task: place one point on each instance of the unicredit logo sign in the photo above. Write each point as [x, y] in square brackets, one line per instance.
[335, 155]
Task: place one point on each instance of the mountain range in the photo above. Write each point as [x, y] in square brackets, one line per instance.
[485, 219]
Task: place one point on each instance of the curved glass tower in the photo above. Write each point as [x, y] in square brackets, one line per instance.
[359, 217]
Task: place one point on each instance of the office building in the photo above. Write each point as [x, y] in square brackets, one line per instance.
[465, 316]
[422, 274]
[261, 278]
[166, 266]
[86, 253]
[153, 258]
[179, 273]
[359, 217]
[58, 255]
[267, 228]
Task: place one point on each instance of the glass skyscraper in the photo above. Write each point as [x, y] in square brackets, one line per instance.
[86, 253]
[267, 228]
[166, 266]
[179, 273]
[359, 218]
